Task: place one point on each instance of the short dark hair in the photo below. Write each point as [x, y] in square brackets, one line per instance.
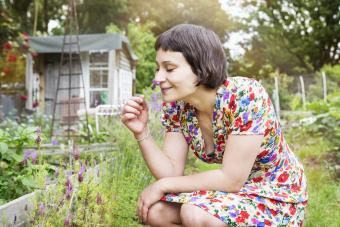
[201, 48]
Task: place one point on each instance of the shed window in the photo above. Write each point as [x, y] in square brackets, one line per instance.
[99, 71]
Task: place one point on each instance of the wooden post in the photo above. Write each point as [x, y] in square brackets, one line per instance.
[303, 94]
[324, 83]
[277, 98]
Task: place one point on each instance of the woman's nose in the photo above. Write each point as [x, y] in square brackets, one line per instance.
[159, 76]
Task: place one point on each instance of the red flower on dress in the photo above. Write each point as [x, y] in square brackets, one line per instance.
[267, 222]
[238, 122]
[257, 179]
[273, 212]
[261, 207]
[232, 104]
[295, 188]
[263, 153]
[292, 209]
[273, 201]
[244, 214]
[240, 219]
[175, 118]
[251, 96]
[202, 192]
[283, 177]
[226, 82]
[246, 126]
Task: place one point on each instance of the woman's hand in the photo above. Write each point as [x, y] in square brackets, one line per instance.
[135, 115]
[150, 195]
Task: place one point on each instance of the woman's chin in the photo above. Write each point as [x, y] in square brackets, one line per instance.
[168, 98]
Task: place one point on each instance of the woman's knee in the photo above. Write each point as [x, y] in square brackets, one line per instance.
[191, 215]
[164, 214]
[155, 214]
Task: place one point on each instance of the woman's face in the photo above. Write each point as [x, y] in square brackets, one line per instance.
[174, 75]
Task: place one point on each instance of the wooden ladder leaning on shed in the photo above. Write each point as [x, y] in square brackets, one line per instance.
[70, 101]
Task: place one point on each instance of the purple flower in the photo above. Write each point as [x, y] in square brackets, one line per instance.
[81, 173]
[54, 142]
[154, 84]
[155, 105]
[69, 187]
[41, 209]
[30, 154]
[99, 199]
[34, 156]
[38, 140]
[68, 219]
[27, 154]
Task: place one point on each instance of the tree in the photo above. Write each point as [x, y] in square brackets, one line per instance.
[142, 41]
[166, 14]
[295, 37]
[95, 15]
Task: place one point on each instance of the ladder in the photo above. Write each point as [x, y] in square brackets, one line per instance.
[70, 116]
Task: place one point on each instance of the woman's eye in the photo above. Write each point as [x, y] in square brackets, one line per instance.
[169, 70]
[157, 69]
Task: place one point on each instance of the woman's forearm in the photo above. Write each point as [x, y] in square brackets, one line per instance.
[214, 180]
[158, 163]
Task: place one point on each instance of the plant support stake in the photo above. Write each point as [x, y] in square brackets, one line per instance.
[303, 92]
[324, 83]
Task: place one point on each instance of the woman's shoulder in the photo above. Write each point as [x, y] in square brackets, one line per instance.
[241, 82]
[240, 85]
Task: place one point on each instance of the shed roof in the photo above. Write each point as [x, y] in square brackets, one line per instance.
[88, 43]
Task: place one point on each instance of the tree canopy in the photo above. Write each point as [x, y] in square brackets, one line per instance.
[290, 36]
[295, 37]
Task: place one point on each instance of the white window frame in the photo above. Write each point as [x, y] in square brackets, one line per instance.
[91, 68]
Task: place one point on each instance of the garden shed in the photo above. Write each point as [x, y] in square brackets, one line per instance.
[108, 65]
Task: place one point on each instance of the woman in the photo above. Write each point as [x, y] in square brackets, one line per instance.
[221, 120]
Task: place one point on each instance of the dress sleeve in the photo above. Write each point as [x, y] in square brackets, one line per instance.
[251, 112]
[171, 117]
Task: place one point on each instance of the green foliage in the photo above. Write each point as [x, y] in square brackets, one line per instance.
[167, 14]
[315, 151]
[94, 16]
[296, 37]
[118, 180]
[328, 120]
[142, 41]
[17, 173]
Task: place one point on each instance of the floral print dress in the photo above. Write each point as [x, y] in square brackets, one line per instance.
[275, 192]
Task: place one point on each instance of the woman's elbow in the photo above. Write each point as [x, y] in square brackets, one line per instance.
[233, 185]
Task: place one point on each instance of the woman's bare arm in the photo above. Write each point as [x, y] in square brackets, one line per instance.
[239, 156]
[168, 162]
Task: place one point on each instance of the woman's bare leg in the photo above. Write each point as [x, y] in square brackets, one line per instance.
[192, 215]
[164, 214]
